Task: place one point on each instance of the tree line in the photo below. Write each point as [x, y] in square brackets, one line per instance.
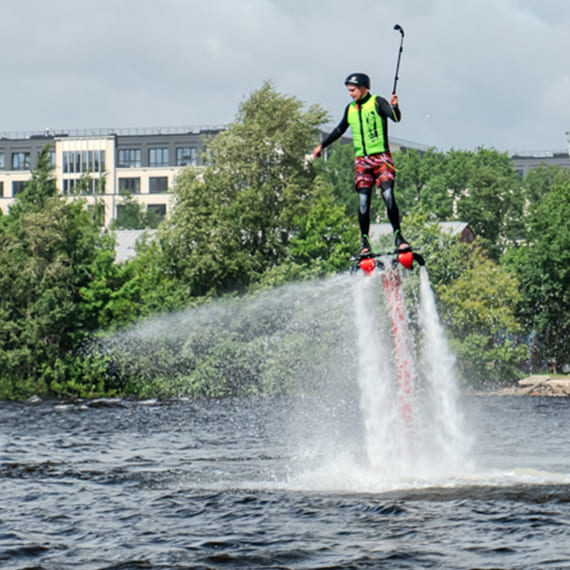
[260, 215]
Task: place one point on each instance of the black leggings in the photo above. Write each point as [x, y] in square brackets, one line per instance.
[365, 195]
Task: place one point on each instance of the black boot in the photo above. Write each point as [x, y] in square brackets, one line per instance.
[400, 240]
[365, 245]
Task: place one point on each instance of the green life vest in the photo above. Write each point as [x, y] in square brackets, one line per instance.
[368, 129]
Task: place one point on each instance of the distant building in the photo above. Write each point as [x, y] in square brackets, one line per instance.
[522, 163]
[141, 162]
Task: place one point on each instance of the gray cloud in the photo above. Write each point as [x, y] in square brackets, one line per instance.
[484, 72]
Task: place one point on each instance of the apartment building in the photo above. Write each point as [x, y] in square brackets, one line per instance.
[142, 163]
[524, 162]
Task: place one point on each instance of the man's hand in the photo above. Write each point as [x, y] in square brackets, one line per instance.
[317, 151]
[394, 100]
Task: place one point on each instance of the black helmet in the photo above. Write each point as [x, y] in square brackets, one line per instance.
[358, 79]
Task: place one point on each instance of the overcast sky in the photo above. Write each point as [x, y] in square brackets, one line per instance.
[492, 73]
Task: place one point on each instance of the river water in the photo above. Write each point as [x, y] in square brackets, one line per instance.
[274, 483]
[357, 477]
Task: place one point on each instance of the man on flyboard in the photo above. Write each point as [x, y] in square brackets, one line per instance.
[367, 116]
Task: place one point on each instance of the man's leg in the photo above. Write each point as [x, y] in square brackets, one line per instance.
[363, 184]
[365, 198]
[387, 188]
[385, 176]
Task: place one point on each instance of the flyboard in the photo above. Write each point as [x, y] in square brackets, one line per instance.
[388, 264]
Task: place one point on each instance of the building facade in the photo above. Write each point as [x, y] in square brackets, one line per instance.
[522, 163]
[109, 166]
[105, 166]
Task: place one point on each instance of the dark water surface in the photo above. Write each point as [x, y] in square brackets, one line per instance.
[266, 484]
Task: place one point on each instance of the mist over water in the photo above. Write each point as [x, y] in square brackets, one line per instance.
[383, 428]
[445, 422]
[333, 342]
[433, 449]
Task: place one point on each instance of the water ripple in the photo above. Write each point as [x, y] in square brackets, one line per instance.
[154, 486]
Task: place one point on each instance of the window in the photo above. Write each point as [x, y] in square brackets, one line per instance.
[158, 157]
[2, 189]
[128, 157]
[186, 155]
[20, 161]
[130, 185]
[78, 161]
[69, 185]
[86, 186]
[158, 184]
[18, 187]
[155, 213]
[2, 161]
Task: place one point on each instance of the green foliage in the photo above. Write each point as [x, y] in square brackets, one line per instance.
[338, 172]
[483, 361]
[540, 180]
[543, 266]
[410, 179]
[39, 189]
[46, 259]
[278, 343]
[131, 215]
[444, 254]
[482, 298]
[480, 188]
[493, 203]
[422, 183]
[477, 301]
[258, 216]
[235, 221]
[325, 235]
[479, 308]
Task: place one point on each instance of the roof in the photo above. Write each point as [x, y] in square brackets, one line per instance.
[126, 243]
[453, 228]
[378, 231]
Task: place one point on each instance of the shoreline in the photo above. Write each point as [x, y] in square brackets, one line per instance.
[536, 385]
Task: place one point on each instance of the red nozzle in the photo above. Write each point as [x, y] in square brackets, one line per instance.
[406, 259]
[367, 265]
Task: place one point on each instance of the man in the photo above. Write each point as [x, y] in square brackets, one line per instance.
[367, 116]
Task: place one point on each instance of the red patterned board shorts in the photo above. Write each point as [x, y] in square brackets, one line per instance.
[375, 168]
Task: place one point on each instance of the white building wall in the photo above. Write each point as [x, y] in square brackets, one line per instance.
[111, 197]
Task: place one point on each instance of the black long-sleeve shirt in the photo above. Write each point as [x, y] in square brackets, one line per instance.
[383, 108]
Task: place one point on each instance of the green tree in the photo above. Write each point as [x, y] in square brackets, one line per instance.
[477, 301]
[479, 308]
[480, 188]
[421, 183]
[39, 189]
[444, 255]
[493, 202]
[237, 218]
[539, 181]
[325, 236]
[337, 169]
[459, 171]
[409, 179]
[131, 215]
[435, 198]
[543, 266]
[46, 258]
